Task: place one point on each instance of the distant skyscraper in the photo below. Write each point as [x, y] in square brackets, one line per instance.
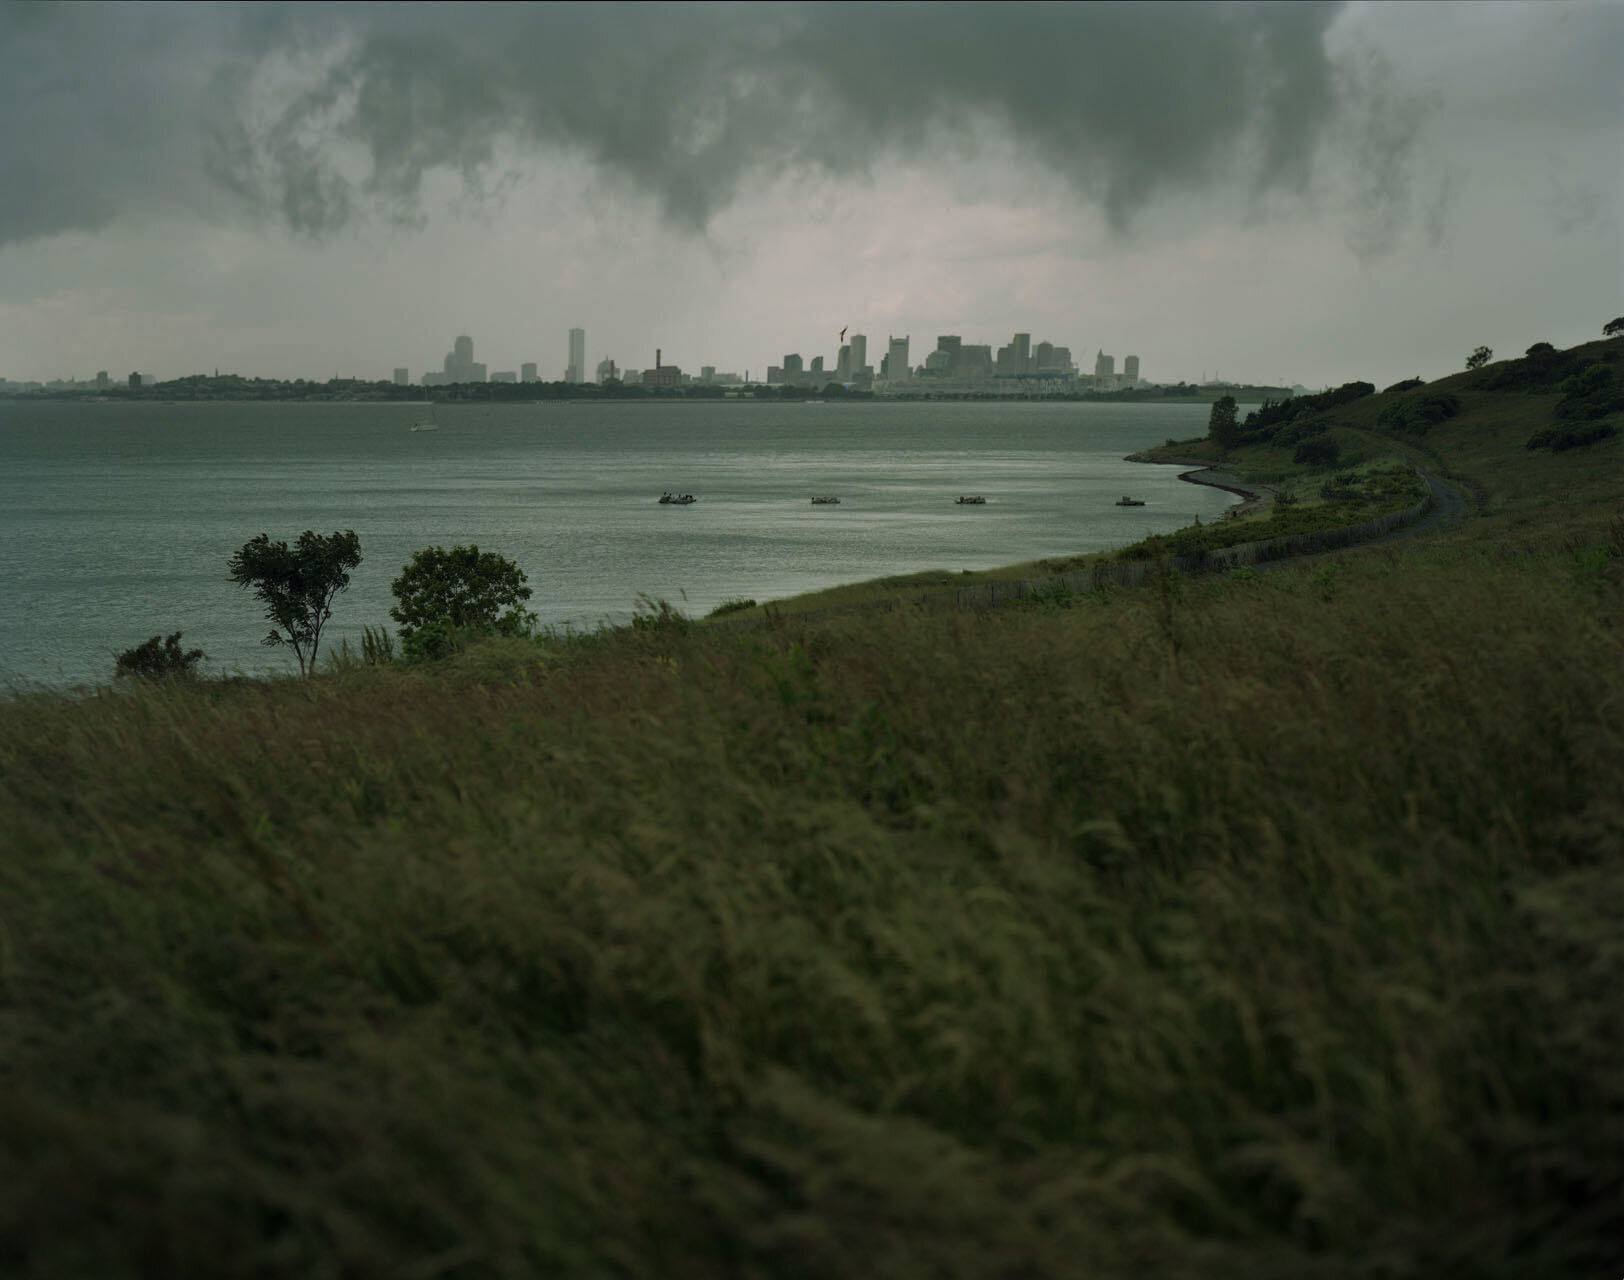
[792, 365]
[843, 363]
[577, 369]
[859, 354]
[402, 377]
[527, 371]
[1104, 365]
[1023, 353]
[897, 360]
[950, 343]
[1130, 369]
[459, 362]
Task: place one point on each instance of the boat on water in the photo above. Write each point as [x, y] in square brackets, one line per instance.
[1126, 501]
[972, 500]
[826, 502]
[428, 424]
[677, 499]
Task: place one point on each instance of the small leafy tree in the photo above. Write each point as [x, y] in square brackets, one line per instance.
[297, 585]
[159, 658]
[1222, 428]
[464, 589]
[1613, 328]
[1479, 358]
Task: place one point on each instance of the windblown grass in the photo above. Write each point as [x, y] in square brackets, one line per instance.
[1272, 933]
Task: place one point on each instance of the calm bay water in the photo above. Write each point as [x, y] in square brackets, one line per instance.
[116, 520]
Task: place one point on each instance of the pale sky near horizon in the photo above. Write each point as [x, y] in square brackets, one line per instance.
[1309, 193]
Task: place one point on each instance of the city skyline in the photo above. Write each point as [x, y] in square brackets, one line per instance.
[1320, 192]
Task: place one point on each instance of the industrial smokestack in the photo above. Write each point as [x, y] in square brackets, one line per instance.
[656, 357]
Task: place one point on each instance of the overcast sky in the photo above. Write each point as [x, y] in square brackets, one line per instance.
[1305, 192]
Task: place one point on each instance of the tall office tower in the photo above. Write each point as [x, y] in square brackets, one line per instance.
[459, 362]
[527, 371]
[577, 370]
[1043, 356]
[707, 373]
[859, 354]
[1104, 365]
[950, 343]
[1023, 353]
[792, 365]
[897, 359]
[843, 364]
[1006, 364]
[402, 377]
[1130, 369]
[817, 366]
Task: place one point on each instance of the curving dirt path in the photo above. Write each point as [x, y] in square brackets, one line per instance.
[1451, 504]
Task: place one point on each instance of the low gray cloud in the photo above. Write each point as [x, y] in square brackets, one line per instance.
[318, 115]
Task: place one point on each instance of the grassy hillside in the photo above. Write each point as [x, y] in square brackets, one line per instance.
[1244, 926]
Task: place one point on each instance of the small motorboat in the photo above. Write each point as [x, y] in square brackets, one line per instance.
[677, 499]
[1126, 501]
[972, 500]
[830, 501]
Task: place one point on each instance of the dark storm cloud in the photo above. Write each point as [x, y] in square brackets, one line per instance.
[316, 114]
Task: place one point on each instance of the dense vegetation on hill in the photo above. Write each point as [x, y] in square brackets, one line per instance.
[1253, 925]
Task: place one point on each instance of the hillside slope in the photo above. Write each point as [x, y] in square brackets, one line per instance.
[1247, 925]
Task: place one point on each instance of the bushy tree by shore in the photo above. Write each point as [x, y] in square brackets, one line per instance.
[441, 592]
[297, 585]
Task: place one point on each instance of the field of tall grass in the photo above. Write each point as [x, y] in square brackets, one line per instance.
[1237, 926]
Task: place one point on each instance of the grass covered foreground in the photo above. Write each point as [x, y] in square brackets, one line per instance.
[1255, 926]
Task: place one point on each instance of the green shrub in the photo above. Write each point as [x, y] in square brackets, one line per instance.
[1590, 394]
[1559, 441]
[1417, 415]
[160, 658]
[1321, 451]
[1542, 368]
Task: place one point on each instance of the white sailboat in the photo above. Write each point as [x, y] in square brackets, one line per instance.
[430, 424]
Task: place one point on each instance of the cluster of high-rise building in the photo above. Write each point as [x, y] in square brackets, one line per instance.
[953, 364]
[460, 366]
